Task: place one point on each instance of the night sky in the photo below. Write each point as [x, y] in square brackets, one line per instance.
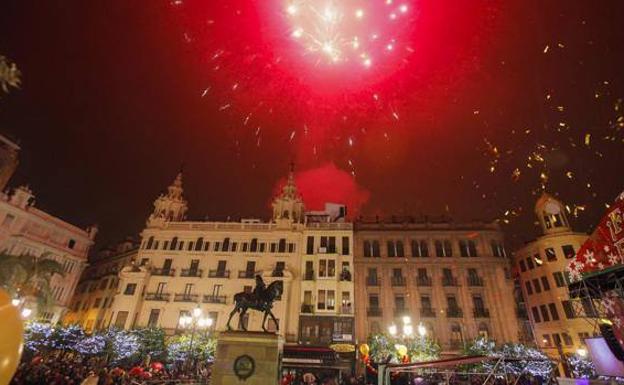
[472, 109]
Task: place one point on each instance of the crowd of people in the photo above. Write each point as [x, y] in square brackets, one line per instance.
[76, 371]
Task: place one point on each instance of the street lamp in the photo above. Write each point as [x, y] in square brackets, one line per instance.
[193, 322]
[581, 352]
[392, 329]
[26, 312]
[408, 330]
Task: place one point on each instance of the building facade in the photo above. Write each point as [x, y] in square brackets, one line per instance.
[9, 151]
[541, 270]
[181, 265]
[26, 230]
[452, 278]
[98, 285]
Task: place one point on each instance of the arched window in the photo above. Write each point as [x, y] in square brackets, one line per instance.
[150, 243]
[253, 247]
[174, 244]
[199, 244]
[226, 244]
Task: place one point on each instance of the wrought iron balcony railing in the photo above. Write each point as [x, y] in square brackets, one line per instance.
[218, 274]
[156, 296]
[481, 313]
[398, 281]
[423, 281]
[184, 297]
[214, 299]
[191, 273]
[454, 312]
[163, 272]
[427, 312]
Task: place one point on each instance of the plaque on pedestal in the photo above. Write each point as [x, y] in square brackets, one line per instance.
[250, 358]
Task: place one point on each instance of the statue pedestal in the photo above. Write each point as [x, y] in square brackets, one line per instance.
[250, 358]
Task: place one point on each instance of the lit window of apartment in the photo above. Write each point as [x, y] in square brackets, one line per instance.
[467, 248]
[568, 251]
[443, 248]
[550, 254]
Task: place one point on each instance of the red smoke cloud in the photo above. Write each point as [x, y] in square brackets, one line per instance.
[327, 183]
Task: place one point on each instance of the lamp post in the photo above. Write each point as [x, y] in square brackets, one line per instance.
[194, 321]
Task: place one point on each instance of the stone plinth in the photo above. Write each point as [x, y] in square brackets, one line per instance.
[262, 351]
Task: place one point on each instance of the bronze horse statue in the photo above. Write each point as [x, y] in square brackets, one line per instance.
[263, 302]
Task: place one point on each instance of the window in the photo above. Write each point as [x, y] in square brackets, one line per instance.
[165, 245]
[546, 340]
[71, 243]
[530, 264]
[226, 244]
[130, 289]
[477, 301]
[554, 314]
[152, 322]
[368, 249]
[262, 247]
[425, 302]
[245, 247]
[559, 279]
[120, 321]
[467, 248]
[199, 244]
[321, 300]
[451, 302]
[568, 251]
[310, 246]
[498, 250]
[322, 268]
[583, 336]
[345, 245]
[280, 266]
[373, 301]
[550, 254]
[397, 273]
[253, 246]
[331, 299]
[568, 309]
[529, 289]
[536, 286]
[522, 266]
[221, 267]
[399, 302]
[392, 249]
[544, 312]
[545, 283]
[97, 302]
[250, 269]
[536, 315]
[188, 289]
[419, 248]
[174, 244]
[189, 246]
[291, 247]
[567, 339]
[443, 248]
[281, 247]
[234, 246]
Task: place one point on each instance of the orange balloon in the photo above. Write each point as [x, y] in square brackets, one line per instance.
[11, 338]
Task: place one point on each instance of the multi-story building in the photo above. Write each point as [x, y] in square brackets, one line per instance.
[8, 160]
[99, 283]
[26, 230]
[454, 278]
[182, 265]
[541, 271]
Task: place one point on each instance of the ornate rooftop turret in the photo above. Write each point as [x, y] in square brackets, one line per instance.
[171, 207]
[288, 206]
[551, 214]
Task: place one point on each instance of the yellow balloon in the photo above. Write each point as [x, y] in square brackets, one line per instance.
[401, 350]
[11, 338]
[364, 349]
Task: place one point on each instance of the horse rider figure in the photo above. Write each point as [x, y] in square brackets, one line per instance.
[258, 292]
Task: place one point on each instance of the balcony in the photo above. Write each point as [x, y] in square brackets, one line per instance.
[163, 272]
[423, 281]
[481, 313]
[454, 312]
[346, 309]
[345, 275]
[218, 274]
[475, 281]
[400, 312]
[372, 281]
[309, 275]
[456, 344]
[307, 309]
[373, 312]
[277, 273]
[245, 274]
[427, 312]
[449, 281]
[156, 296]
[398, 281]
[214, 299]
[191, 273]
[184, 297]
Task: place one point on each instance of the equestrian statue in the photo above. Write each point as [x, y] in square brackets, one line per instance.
[260, 299]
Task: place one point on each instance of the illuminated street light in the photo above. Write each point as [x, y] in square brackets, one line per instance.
[581, 352]
[407, 320]
[392, 329]
[16, 302]
[408, 330]
[26, 312]
[197, 312]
